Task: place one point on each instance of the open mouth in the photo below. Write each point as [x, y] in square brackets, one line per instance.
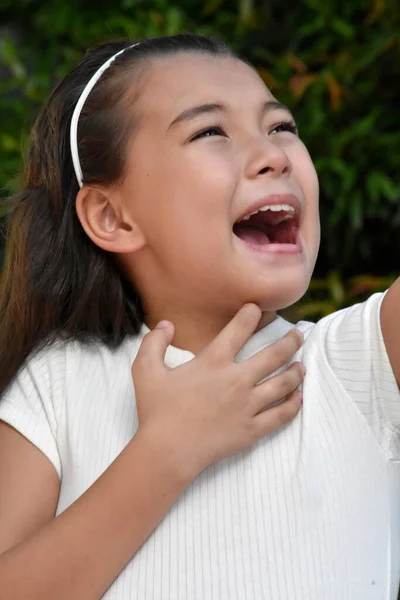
[275, 224]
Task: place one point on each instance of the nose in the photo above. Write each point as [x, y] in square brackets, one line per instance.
[266, 157]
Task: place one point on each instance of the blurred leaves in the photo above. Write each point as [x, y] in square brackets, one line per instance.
[333, 293]
[336, 65]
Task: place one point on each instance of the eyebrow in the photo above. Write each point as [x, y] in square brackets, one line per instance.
[203, 109]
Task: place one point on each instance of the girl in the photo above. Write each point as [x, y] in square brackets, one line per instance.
[167, 190]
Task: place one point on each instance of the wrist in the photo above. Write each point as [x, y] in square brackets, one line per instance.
[166, 458]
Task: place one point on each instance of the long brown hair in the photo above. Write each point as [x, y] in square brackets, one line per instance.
[55, 282]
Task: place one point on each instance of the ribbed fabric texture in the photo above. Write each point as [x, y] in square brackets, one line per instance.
[311, 512]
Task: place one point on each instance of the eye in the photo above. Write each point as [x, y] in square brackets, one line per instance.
[210, 132]
[289, 126]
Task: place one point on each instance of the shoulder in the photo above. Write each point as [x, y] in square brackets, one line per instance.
[56, 370]
[351, 340]
[32, 402]
[40, 374]
[65, 362]
[54, 380]
[351, 327]
[346, 352]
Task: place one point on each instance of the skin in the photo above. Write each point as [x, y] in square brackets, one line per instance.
[174, 238]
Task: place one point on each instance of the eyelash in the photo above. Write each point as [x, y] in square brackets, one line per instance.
[289, 126]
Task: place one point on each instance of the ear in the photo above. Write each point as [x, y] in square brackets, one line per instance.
[104, 223]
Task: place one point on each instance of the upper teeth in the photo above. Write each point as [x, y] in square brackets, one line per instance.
[275, 208]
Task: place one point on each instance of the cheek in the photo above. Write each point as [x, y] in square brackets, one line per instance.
[205, 173]
[306, 177]
[305, 174]
[184, 208]
[195, 194]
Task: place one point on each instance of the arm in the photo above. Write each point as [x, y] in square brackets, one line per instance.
[390, 323]
[79, 553]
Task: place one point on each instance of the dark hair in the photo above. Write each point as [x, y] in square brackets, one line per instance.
[56, 283]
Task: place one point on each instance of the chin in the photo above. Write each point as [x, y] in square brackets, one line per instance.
[283, 295]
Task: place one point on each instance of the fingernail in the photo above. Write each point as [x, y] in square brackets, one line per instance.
[162, 325]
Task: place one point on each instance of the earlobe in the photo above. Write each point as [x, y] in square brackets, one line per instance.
[103, 223]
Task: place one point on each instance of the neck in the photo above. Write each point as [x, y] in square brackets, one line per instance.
[195, 332]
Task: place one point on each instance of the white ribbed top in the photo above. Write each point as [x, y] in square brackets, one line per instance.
[311, 512]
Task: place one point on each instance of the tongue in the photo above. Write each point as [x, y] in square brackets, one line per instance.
[251, 235]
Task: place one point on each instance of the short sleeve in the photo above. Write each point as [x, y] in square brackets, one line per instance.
[32, 402]
[356, 352]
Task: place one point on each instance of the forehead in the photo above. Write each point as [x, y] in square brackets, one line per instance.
[176, 82]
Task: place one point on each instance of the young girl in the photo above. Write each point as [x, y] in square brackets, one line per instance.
[167, 190]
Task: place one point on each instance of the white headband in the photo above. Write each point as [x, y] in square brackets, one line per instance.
[78, 108]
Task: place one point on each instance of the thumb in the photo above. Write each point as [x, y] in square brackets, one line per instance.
[155, 344]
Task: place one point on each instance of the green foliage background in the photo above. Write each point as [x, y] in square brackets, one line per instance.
[336, 64]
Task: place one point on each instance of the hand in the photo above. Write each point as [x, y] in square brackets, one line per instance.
[212, 406]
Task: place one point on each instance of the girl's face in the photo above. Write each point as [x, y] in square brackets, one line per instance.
[212, 146]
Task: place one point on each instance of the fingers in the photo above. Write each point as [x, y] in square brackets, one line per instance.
[234, 335]
[272, 419]
[153, 347]
[277, 388]
[270, 359]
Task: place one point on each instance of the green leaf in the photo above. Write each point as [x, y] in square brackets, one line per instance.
[379, 184]
[356, 211]
[8, 143]
[173, 21]
[9, 56]
[346, 30]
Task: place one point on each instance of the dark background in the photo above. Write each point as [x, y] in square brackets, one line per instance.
[336, 64]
